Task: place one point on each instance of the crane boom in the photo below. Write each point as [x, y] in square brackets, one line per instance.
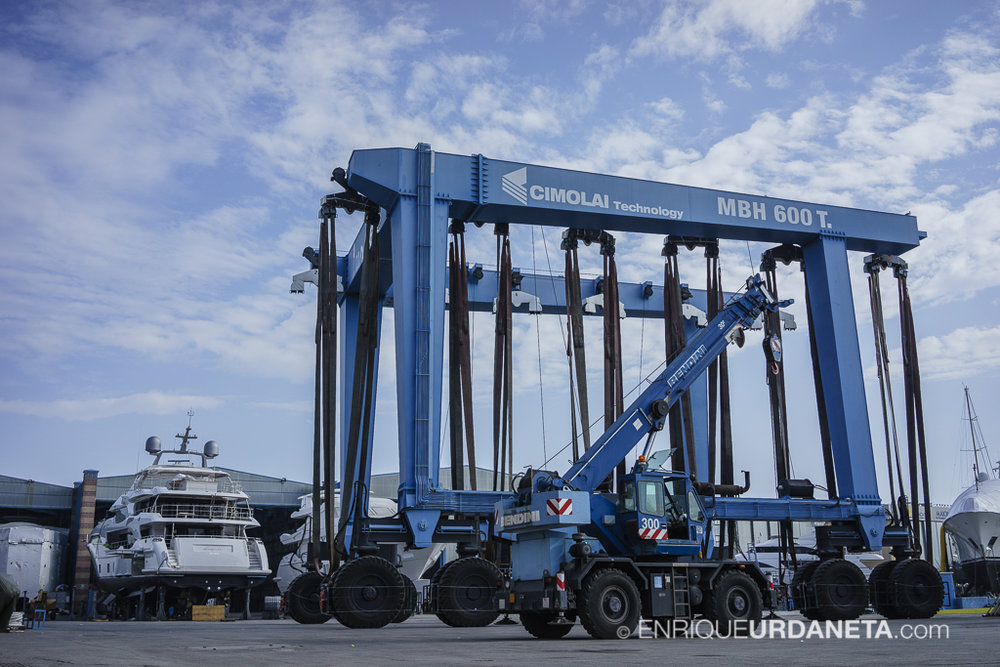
[649, 410]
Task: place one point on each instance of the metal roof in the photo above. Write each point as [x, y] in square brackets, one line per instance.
[263, 490]
[29, 494]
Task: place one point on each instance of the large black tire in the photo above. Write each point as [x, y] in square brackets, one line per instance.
[879, 594]
[841, 590]
[801, 591]
[538, 624]
[609, 605]
[367, 593]
[734, 597]
[918, 588]
[302, 599]
[409, 600]
[467, 593]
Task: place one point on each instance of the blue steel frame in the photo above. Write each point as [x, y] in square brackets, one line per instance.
[421, 190]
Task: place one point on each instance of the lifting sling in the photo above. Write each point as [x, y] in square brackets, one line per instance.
[503, 455]
[915, 435]
[575, 343]
[324, 412]
[898, 504]
[353, 491]
[614, 402]
[680, 417]
[460, 362]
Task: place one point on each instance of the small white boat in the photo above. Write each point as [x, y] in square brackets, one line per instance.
[181, 529]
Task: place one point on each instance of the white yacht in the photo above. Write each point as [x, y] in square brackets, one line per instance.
[973, 523]
[181, 529]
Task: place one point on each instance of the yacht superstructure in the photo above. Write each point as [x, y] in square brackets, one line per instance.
[181, 526]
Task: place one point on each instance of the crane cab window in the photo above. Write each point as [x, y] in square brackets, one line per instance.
[626, 499]
[696, 513]
[676, 505]
[651, 498]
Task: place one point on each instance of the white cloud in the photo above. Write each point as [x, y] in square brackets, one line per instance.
[707, 30]
[777, 80]
[90, 409]
[963, 353]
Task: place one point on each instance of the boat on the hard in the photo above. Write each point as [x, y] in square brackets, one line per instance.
[973, 523]
[180, 528]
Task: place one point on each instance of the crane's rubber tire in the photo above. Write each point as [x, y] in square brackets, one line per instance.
[841, 590]
[880, 595]
[467, 593]
[734, 598]
[802, 592]
[538, 624]
[367, 593]
[609, 604]
[409, 600]
[918, 588]
[302, 599]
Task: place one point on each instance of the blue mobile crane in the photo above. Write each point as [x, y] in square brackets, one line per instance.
[648, 551]
[410, 198]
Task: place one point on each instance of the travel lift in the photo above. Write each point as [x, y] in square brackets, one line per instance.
[595, 564]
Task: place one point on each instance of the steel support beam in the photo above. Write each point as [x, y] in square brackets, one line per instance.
[419, 231]
[836, 335]
[487, 190]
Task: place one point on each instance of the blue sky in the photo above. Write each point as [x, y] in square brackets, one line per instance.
[162, 165]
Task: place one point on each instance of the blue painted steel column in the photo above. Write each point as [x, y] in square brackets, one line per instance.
[419, 226]
[348, 340]
[836, 334]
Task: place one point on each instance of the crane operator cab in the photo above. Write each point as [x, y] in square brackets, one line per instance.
[659, 511]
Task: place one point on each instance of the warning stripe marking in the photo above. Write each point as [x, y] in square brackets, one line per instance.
[559, 506]
[653, 534]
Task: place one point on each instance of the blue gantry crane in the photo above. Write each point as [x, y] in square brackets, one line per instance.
[411, 199]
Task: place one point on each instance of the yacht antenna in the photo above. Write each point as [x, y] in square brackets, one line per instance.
[187, 433]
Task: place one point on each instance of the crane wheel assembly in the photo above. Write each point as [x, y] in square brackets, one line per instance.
[609, 604]
[909, 588]
[303, 598]
[735, 597]
[840, 589]
[918, 588]
[466, 593]
[367, 592]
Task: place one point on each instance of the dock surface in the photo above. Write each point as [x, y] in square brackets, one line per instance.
[971, 640]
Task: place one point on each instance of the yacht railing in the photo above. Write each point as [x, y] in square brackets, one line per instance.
[168, 480]
[201, 511]
[169, 539]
